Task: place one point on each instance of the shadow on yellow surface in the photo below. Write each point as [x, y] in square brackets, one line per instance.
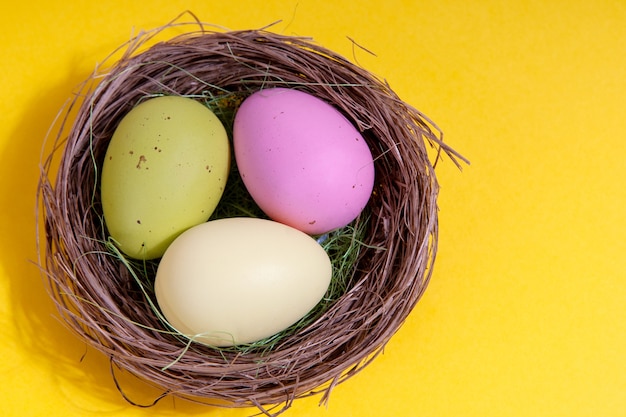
[80, 373]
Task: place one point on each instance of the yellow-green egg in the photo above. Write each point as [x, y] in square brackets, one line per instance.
[164, 171]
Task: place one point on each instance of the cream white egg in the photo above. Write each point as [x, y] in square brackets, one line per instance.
[239, 280]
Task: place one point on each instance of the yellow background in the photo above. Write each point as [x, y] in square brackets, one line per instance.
[525, 314]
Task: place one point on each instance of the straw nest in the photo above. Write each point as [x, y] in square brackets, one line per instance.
[99, 295]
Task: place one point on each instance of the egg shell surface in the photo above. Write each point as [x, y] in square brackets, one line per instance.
[302, 160]
[239, 280]
[164, 171]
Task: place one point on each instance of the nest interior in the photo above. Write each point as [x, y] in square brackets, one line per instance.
[98, 297]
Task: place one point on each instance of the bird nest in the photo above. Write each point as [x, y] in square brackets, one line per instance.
[102, 297]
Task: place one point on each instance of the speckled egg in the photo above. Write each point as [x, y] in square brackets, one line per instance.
[164, 171]
[303, 162]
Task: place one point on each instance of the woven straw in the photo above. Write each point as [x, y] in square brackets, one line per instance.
[100, 300]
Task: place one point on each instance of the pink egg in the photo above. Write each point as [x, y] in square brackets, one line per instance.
[301, 160]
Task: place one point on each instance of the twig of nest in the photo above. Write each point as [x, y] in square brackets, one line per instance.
[98, 295]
